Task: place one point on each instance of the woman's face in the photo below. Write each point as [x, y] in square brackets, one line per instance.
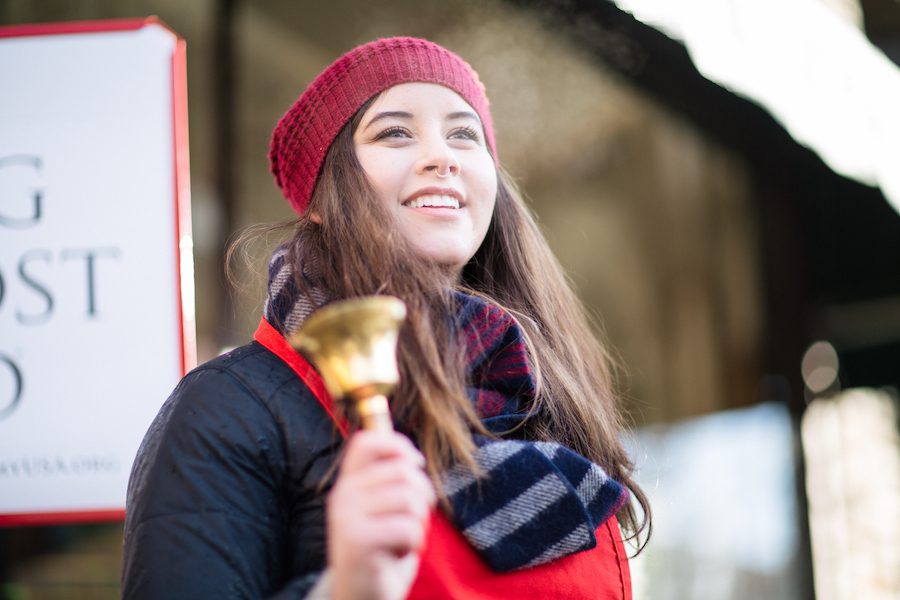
[423, 150]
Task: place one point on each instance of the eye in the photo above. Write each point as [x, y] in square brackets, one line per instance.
[465, 133]
[392, 132]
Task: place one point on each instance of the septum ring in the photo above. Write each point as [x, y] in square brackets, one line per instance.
[444, 175]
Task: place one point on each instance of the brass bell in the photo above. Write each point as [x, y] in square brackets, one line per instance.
[353, 344]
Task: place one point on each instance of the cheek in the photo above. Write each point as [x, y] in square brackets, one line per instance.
[384, 173]
[486, 184]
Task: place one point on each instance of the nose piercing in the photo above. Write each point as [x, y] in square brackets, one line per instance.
[450, 167]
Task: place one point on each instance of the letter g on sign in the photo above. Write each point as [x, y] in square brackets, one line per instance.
[18, 190]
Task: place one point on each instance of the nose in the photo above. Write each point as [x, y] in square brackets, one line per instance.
[438, 158]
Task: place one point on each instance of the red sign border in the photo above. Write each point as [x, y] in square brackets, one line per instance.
[183, 244]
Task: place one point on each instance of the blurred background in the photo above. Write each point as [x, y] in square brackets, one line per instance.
[747, 274]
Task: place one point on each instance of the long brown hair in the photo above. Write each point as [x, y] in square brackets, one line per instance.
[359, 251]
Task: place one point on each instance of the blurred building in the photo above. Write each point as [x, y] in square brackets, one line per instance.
[712, 247]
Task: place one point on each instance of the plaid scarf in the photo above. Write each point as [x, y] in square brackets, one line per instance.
[539, 501]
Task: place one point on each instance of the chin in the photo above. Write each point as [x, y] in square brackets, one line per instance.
[453, 260]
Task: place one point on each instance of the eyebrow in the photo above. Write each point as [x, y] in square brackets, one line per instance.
[391, 114]
[464, 114]
[399, 114]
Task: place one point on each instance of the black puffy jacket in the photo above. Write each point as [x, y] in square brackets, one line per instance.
[225, 499]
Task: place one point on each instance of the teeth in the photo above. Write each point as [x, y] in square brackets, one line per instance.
[434, 201]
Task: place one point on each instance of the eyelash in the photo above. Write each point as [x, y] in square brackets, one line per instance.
[467, 133]
[390, 131]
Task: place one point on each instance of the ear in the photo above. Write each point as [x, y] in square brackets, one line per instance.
[315, 217]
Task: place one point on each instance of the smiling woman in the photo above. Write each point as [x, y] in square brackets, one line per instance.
[423, 151]
[506, 477]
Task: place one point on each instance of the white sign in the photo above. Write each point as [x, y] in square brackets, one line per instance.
[96, 279]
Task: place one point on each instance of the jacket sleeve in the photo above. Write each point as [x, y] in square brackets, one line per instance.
[206, 509]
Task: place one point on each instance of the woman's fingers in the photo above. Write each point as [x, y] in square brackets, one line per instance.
[396, 501]
[377, 514]
[381, 477]
[362, 537]
[393, 472]
[366, 447]
[382, 473]
[402, 534]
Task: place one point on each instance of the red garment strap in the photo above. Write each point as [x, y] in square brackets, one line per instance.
[450, 568]
[273, 341]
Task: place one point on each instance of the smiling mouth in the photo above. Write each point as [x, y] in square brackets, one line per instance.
[432, 201]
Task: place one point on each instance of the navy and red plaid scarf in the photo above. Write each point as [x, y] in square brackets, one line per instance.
[538, 501]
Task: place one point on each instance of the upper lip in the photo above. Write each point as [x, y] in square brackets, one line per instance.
[437, 191]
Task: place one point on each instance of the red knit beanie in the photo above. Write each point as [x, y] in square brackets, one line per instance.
[305, 132]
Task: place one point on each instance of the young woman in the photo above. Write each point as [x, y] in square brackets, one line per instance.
[506, 477]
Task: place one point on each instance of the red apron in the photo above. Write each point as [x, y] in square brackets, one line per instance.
[450, 567]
